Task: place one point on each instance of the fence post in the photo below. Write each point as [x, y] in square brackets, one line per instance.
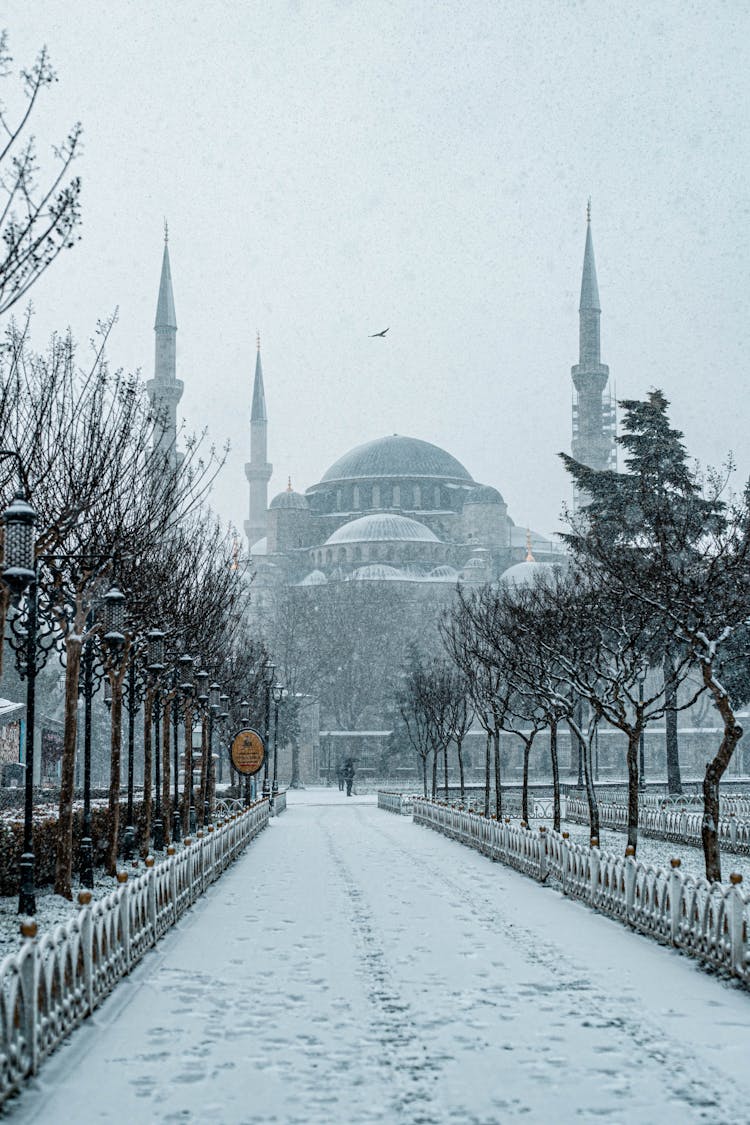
[629, 881]
[30, 990]
[542, 853]
[124, 910]
[87, 948]
[172, 851]
[675, 900]
[736, 923]
[151, 895]
[594, 864]
[565, 864]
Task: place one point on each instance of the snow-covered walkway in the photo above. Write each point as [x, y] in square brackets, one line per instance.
[353, 967]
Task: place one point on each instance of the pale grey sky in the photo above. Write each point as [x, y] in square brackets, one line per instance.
[329, 169]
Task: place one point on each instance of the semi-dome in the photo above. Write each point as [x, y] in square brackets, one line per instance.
[443, 573]
[314, 578]
[397, 456]
[289, 499]
[382, 527]
[378, 572]
[484, 494]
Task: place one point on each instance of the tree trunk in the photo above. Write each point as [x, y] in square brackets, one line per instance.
[674, 779]
[555, 776]
[525, 782]
[593, 804]
[434, 772]
[295, 782]
[114, 777]
[445, 768]
[460, 753]
[498, 785]
[166, 771]
[64, 854]
[634, 740]
[715, 770]
[424, 773]
[148, 763]
[487, 764]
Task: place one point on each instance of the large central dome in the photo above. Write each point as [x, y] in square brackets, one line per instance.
[397, 456]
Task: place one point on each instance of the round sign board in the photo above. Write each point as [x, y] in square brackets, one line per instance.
[248, 752]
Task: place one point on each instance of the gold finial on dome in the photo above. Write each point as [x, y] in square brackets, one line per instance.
[529, 555]
[289, 484]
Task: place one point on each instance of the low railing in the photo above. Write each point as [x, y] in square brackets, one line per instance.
[58, 979]
[279, 802]
[400, 803]
[678, 824]
[710, 921]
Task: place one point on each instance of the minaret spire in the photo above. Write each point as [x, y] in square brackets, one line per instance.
[592, 430]
[165, 389]
[258, 470]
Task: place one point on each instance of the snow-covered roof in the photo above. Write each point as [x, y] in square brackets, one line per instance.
[289, 499]
[524, 573]
[382, 527]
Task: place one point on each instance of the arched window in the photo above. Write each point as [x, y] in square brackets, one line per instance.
[417, 496]
[376, 496]
[338, 499]
[436, 496]
[355, 498]
[397, 496]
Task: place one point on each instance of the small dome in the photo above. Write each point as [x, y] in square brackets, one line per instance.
[314, 578]
[475, 564]
[524, 573]
[382, 528]
[289, 499]
[444, 573]
[484, 494]
[376, 572]
[260, 548]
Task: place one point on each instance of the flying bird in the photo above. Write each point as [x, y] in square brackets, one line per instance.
[374, 334]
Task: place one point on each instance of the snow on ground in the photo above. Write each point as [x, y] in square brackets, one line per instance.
[353, 967]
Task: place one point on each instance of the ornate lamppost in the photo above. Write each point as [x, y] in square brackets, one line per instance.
[93, 673]
[223, 716]
[202, 696]
[269, 684]
[279, 692]
[19, 575]
[214, 707]
[134, 696]
[155, 639]
[244, 720]
[186, 690]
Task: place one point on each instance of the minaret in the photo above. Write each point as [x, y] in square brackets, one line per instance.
[592, 428]
[165, 389]
[257, 470]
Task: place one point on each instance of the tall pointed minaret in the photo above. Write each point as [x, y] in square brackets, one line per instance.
[593, 439]
[257, 470]
[165, 389]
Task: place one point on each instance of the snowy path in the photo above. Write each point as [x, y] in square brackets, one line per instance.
[355, 968]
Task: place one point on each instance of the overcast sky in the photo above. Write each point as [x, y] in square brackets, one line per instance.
[331, 169]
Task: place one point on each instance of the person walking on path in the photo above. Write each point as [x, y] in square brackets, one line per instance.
[349, 775]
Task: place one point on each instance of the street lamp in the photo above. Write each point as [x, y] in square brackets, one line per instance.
[641, 738]
[279, 693]
[269, 684]
[244, 720]
[223, 715]
[155, 639]
[214, 707]
[128, 839]
[187, 687]
[19, 574]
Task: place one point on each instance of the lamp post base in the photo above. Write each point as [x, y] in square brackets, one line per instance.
[26, 898]
[176, 826]
[128, 842]
[158, 832]
[192, 820]
[87, 863]
[266, 788]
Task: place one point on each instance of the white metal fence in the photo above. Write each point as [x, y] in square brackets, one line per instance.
[395, 802]
[678, 824]
[710, 921]
[56, 980]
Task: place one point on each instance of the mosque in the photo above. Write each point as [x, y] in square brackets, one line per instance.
[399, 508]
